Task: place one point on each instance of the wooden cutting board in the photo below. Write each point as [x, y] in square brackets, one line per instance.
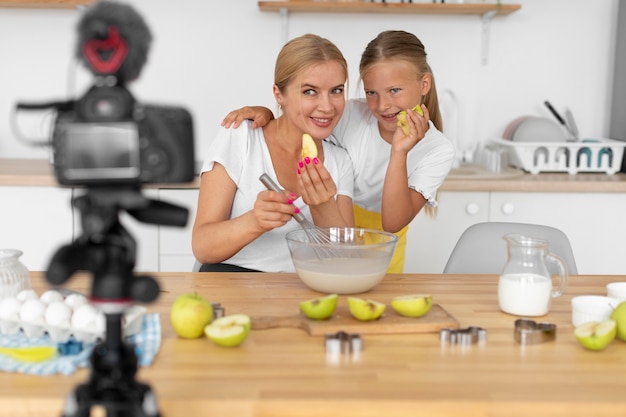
[390, 323]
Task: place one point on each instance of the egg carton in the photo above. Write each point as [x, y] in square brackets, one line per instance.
[131, 325]
[587, 155]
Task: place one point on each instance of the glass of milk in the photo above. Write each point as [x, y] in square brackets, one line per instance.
[525, 287]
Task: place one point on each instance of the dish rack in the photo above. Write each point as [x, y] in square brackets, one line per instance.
[587, 155]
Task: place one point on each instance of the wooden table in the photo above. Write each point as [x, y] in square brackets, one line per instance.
[285, 372]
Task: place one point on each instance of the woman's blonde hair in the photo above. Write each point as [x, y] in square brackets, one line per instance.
[302, 52]
[398, 44]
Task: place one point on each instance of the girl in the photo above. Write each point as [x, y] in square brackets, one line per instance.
[239, 224]
[396, 175]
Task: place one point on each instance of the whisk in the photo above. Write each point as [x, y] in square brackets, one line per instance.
[314, 233]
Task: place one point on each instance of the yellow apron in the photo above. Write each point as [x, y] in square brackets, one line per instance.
[372, 220]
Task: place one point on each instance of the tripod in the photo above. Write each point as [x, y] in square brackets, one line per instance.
[108, 251]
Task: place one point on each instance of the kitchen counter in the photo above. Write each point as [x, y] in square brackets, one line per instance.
[36, 172]
[286, 372]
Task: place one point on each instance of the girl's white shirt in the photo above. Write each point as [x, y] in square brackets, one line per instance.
[428, 163]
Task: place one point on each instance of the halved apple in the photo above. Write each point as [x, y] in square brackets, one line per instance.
[365, 310]
[596, 336]
[402, 123]
[229, 330]
[414, 305]
[308, 146]
[320, 308]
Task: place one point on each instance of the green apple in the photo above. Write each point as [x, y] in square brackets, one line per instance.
[402, 118]
[320, 308]
[415, 305]
[190, 314]
[229, 331]
[365, 310]
[619, 315]
[596, 336]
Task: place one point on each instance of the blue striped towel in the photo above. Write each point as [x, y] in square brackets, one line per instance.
[147, 343]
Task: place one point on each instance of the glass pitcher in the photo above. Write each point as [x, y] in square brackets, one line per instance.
[14, 276]
[525, 287]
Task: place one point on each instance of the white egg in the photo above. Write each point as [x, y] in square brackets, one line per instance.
[76, 300]
[27, 294]
[84, 317]
[58, 314]
[32, 311]
[10, 308]
[51, 296]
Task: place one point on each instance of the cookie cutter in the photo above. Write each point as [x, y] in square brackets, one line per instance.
[218, 310]
[529, 332]
[465, 336]
[343, 342]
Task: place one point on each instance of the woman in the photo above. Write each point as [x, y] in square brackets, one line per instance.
[239, 224]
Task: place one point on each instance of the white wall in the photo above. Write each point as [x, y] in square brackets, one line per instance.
[214, 56]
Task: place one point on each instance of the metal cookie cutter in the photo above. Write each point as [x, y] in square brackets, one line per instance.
[465, 336]
[529, 332]
[218, 310]
[342, 342]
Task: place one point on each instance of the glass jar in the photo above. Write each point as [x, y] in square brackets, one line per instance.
[14, 276]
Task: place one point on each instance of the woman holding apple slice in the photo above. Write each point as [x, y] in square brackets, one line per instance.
[240, 225]
[396, 174]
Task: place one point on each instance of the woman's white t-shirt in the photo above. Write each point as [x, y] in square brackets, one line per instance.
[245, 156]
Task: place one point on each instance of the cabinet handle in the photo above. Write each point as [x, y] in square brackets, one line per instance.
[472, 209]
[508, 208]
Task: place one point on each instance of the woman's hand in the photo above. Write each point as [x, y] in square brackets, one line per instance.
[273, 209]
[418, 126]
[259, 115]
[315, 182]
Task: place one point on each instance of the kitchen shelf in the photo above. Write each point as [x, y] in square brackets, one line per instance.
[368, 7]
[66, 4]
[486, 11]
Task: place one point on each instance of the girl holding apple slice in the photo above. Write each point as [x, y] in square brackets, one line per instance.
[395, 174]
[240, 225]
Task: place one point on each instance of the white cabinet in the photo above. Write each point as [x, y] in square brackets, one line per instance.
[430, 239]
[592, 221]
[37, 221]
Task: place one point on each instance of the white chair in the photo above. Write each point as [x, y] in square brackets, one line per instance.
[196, 266]
[482, 250]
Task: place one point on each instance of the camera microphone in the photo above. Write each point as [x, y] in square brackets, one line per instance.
[113, 39]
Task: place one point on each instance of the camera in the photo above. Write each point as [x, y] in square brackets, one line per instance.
[108, 138]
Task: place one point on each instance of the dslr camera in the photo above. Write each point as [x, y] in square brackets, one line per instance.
[108, 138]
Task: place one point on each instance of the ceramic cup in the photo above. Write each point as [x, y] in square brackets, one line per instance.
[587, 308]
[616, 290]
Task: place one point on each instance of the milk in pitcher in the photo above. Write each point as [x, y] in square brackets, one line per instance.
[525, 294]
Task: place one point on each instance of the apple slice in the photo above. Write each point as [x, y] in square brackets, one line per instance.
[596, 336]
[365, 310]
[402, 123]
[415, 305]
[308, 146]
[229, 331]
[320, 308]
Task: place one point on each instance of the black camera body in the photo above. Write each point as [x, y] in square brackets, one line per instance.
[108, 138]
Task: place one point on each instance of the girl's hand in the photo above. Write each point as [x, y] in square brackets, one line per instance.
[273, 209]
[418, 126]
[259, 115]
[315, 182]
